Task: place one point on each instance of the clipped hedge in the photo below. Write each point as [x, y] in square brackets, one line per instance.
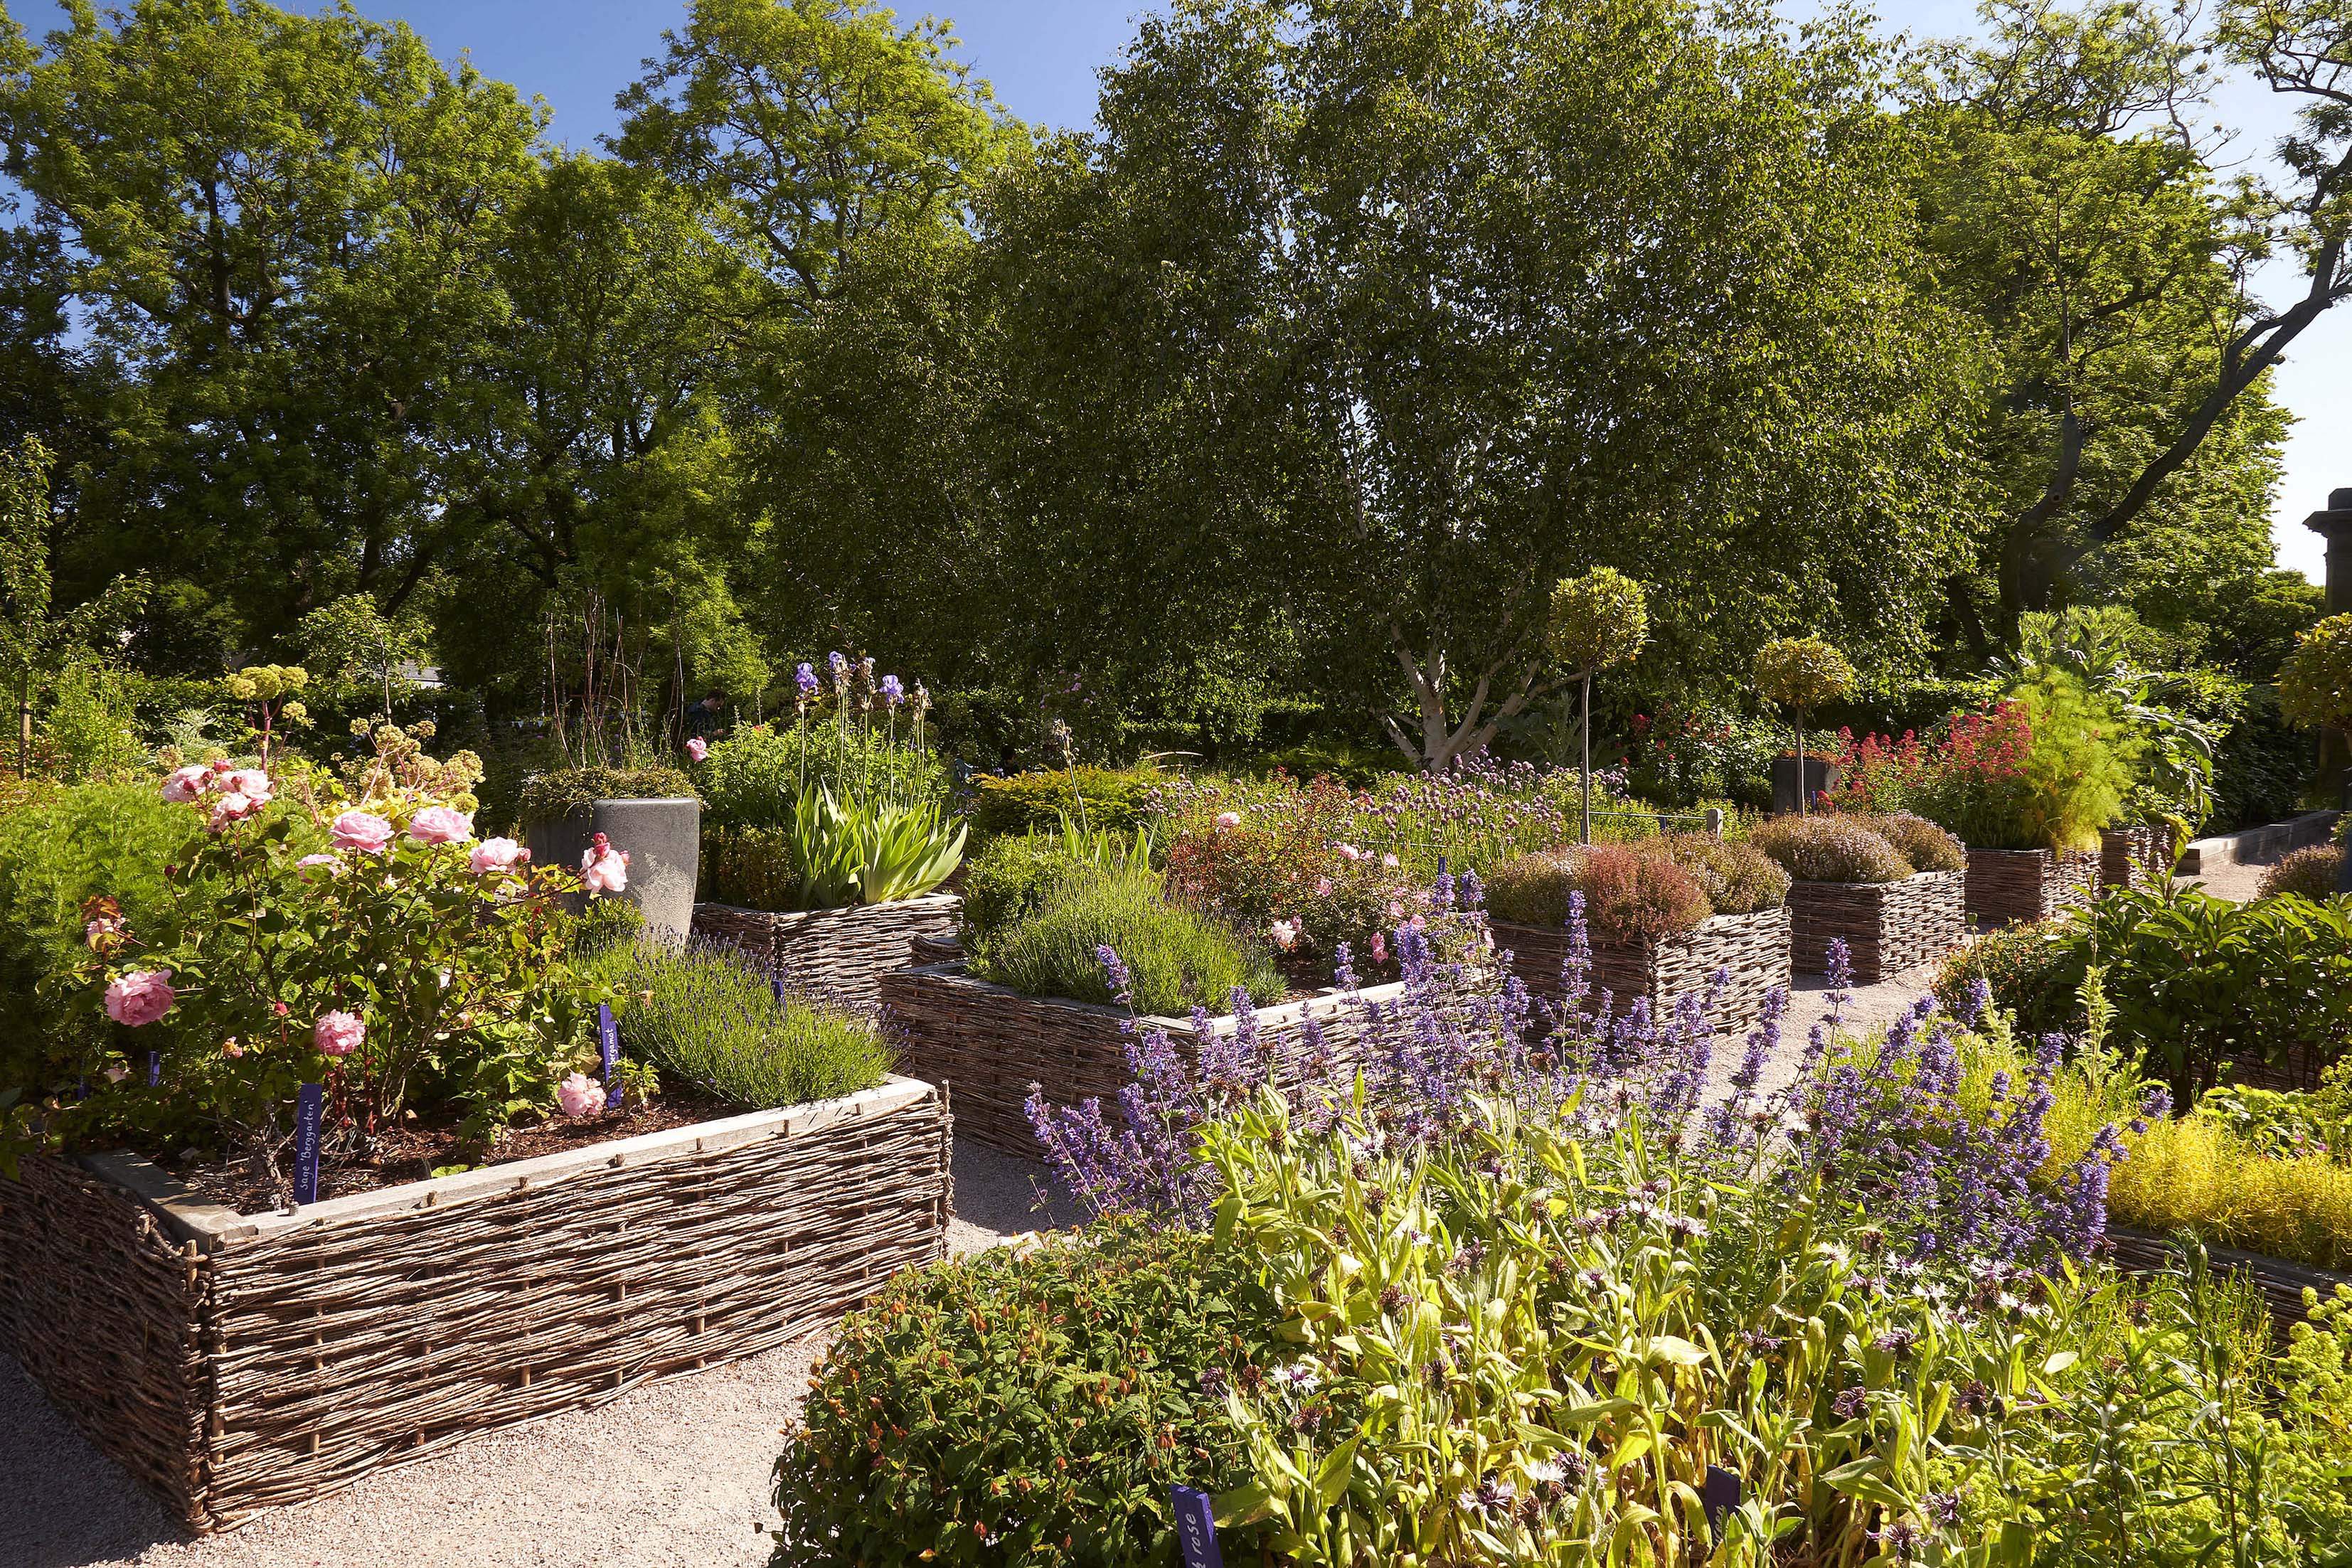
[1029, 1408]
[1114, 800]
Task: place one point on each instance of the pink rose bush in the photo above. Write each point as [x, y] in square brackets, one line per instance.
[368, 943]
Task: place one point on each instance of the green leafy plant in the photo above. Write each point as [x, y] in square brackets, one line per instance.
[1039, 1404]
[1010, 879]
[2032, 971]
[1831, 848]
[1177, 957]
[2315, 683]
[1738, 877]
[700, 1015]
[2314, 873]
[1111, 801]
[869, 851]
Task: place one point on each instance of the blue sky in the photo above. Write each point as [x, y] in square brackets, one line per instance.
[1042, 56]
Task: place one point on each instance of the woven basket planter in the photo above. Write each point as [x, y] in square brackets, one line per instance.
[840, 954]
[1888, 927]
[2007, 887]
[2134, 857]
[987, 1044]
[1754, 947]
[233, 1363]
[2281, 1282]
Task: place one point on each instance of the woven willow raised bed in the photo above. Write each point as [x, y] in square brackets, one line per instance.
[2282, 1283]
[2134, 857]
[1753, 947]
[1888, 927]
[237, 1362]
[836, 953]
[2007, 887]
[987, 1044]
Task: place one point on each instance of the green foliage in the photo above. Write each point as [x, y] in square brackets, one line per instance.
[2234, 1187]
[2313, 872]
[1010, 880]
[1598, 620]
[1176, 957]
[87, 731]
[755, 777]
[1927, 846]
[1802, 673]
[1108, 800]
[1040, 1403]
[2033, 970]
[2314, 685]
[868, 851]
[1738, 877]
[553, 796]
[2078, 771]
[359, 652]
[701, 1016]
[2262, 767]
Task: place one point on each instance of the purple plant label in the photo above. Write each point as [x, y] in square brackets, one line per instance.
[154, 1068]
[776, 988]
[1718, 1497]
[307, 1110]
[608, 1042]
[1196, 1527]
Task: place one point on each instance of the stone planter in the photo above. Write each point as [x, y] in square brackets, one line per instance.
[2007, 887]
[1888, 927]
[1821, 778]
[987, 1044]
[233, 1362]
[664, 840]
[839, 954]
[2134, 857]
[1754, 947]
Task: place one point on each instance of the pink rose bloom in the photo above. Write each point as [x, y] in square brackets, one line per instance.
[185, 783]
[496, 854]
[308, 863]
[698, 749]
[1228, 819]
[362, 831]
[251, 782]
[441, 825]
[580, 1096]
[603, 869]
[232, 807]
[139, 997]
[1351, 853]
[1323, 887]
[339, 1034]
[1286, 934]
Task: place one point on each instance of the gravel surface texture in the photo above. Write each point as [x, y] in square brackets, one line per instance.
[672, 1473]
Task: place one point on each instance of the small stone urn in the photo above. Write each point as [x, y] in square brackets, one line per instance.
[663, 838]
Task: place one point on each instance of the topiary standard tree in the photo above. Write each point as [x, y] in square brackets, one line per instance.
[1801, 673]
[2314, 690]
[1597, 621]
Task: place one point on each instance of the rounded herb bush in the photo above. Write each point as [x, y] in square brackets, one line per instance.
[1176, 957]
[1737, 877]
[2306, 873]
[1927, 846]
[1030, 1406]
[1010, 880]
[2032, 971]
[1629, 895]
[1831, 848]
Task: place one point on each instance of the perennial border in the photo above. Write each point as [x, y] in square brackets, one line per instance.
[234, 1362]
[1754, 947]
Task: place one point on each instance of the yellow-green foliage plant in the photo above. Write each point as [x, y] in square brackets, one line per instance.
[2195, 1173]
[1798, 673]
[2081, 766]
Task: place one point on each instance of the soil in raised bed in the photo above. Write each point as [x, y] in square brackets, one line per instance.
[416, 1149]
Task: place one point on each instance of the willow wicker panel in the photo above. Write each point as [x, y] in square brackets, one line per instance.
[1888, 927]
[1753, 947]
[988, 1044]
[835, 953]
[2134, 857]
[2009, 886]
[2281, 1282]
[317, 1347]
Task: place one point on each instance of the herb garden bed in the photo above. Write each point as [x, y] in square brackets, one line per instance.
[237, 1362]
[987, 1044]
[2010, 887]
[1886, 926]
[1754, 947]
[839, 954]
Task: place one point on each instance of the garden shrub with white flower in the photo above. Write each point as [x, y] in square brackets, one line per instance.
[370, 943]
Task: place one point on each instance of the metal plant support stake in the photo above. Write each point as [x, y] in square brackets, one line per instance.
[1584, 742]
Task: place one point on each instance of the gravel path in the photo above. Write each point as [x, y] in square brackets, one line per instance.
[672, 1473]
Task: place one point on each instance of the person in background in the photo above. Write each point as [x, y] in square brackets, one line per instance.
[706, 718]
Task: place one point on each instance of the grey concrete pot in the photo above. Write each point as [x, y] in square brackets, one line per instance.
[664, 840]
[1821, 778]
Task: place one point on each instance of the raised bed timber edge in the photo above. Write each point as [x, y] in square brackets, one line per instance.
[1888, 927]
[841, 954]
[234, 1361]
[2008, 887]
[1753, 947]
[988, 1044]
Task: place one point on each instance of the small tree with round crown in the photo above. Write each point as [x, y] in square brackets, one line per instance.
[1802, 672]
[1597, 621]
